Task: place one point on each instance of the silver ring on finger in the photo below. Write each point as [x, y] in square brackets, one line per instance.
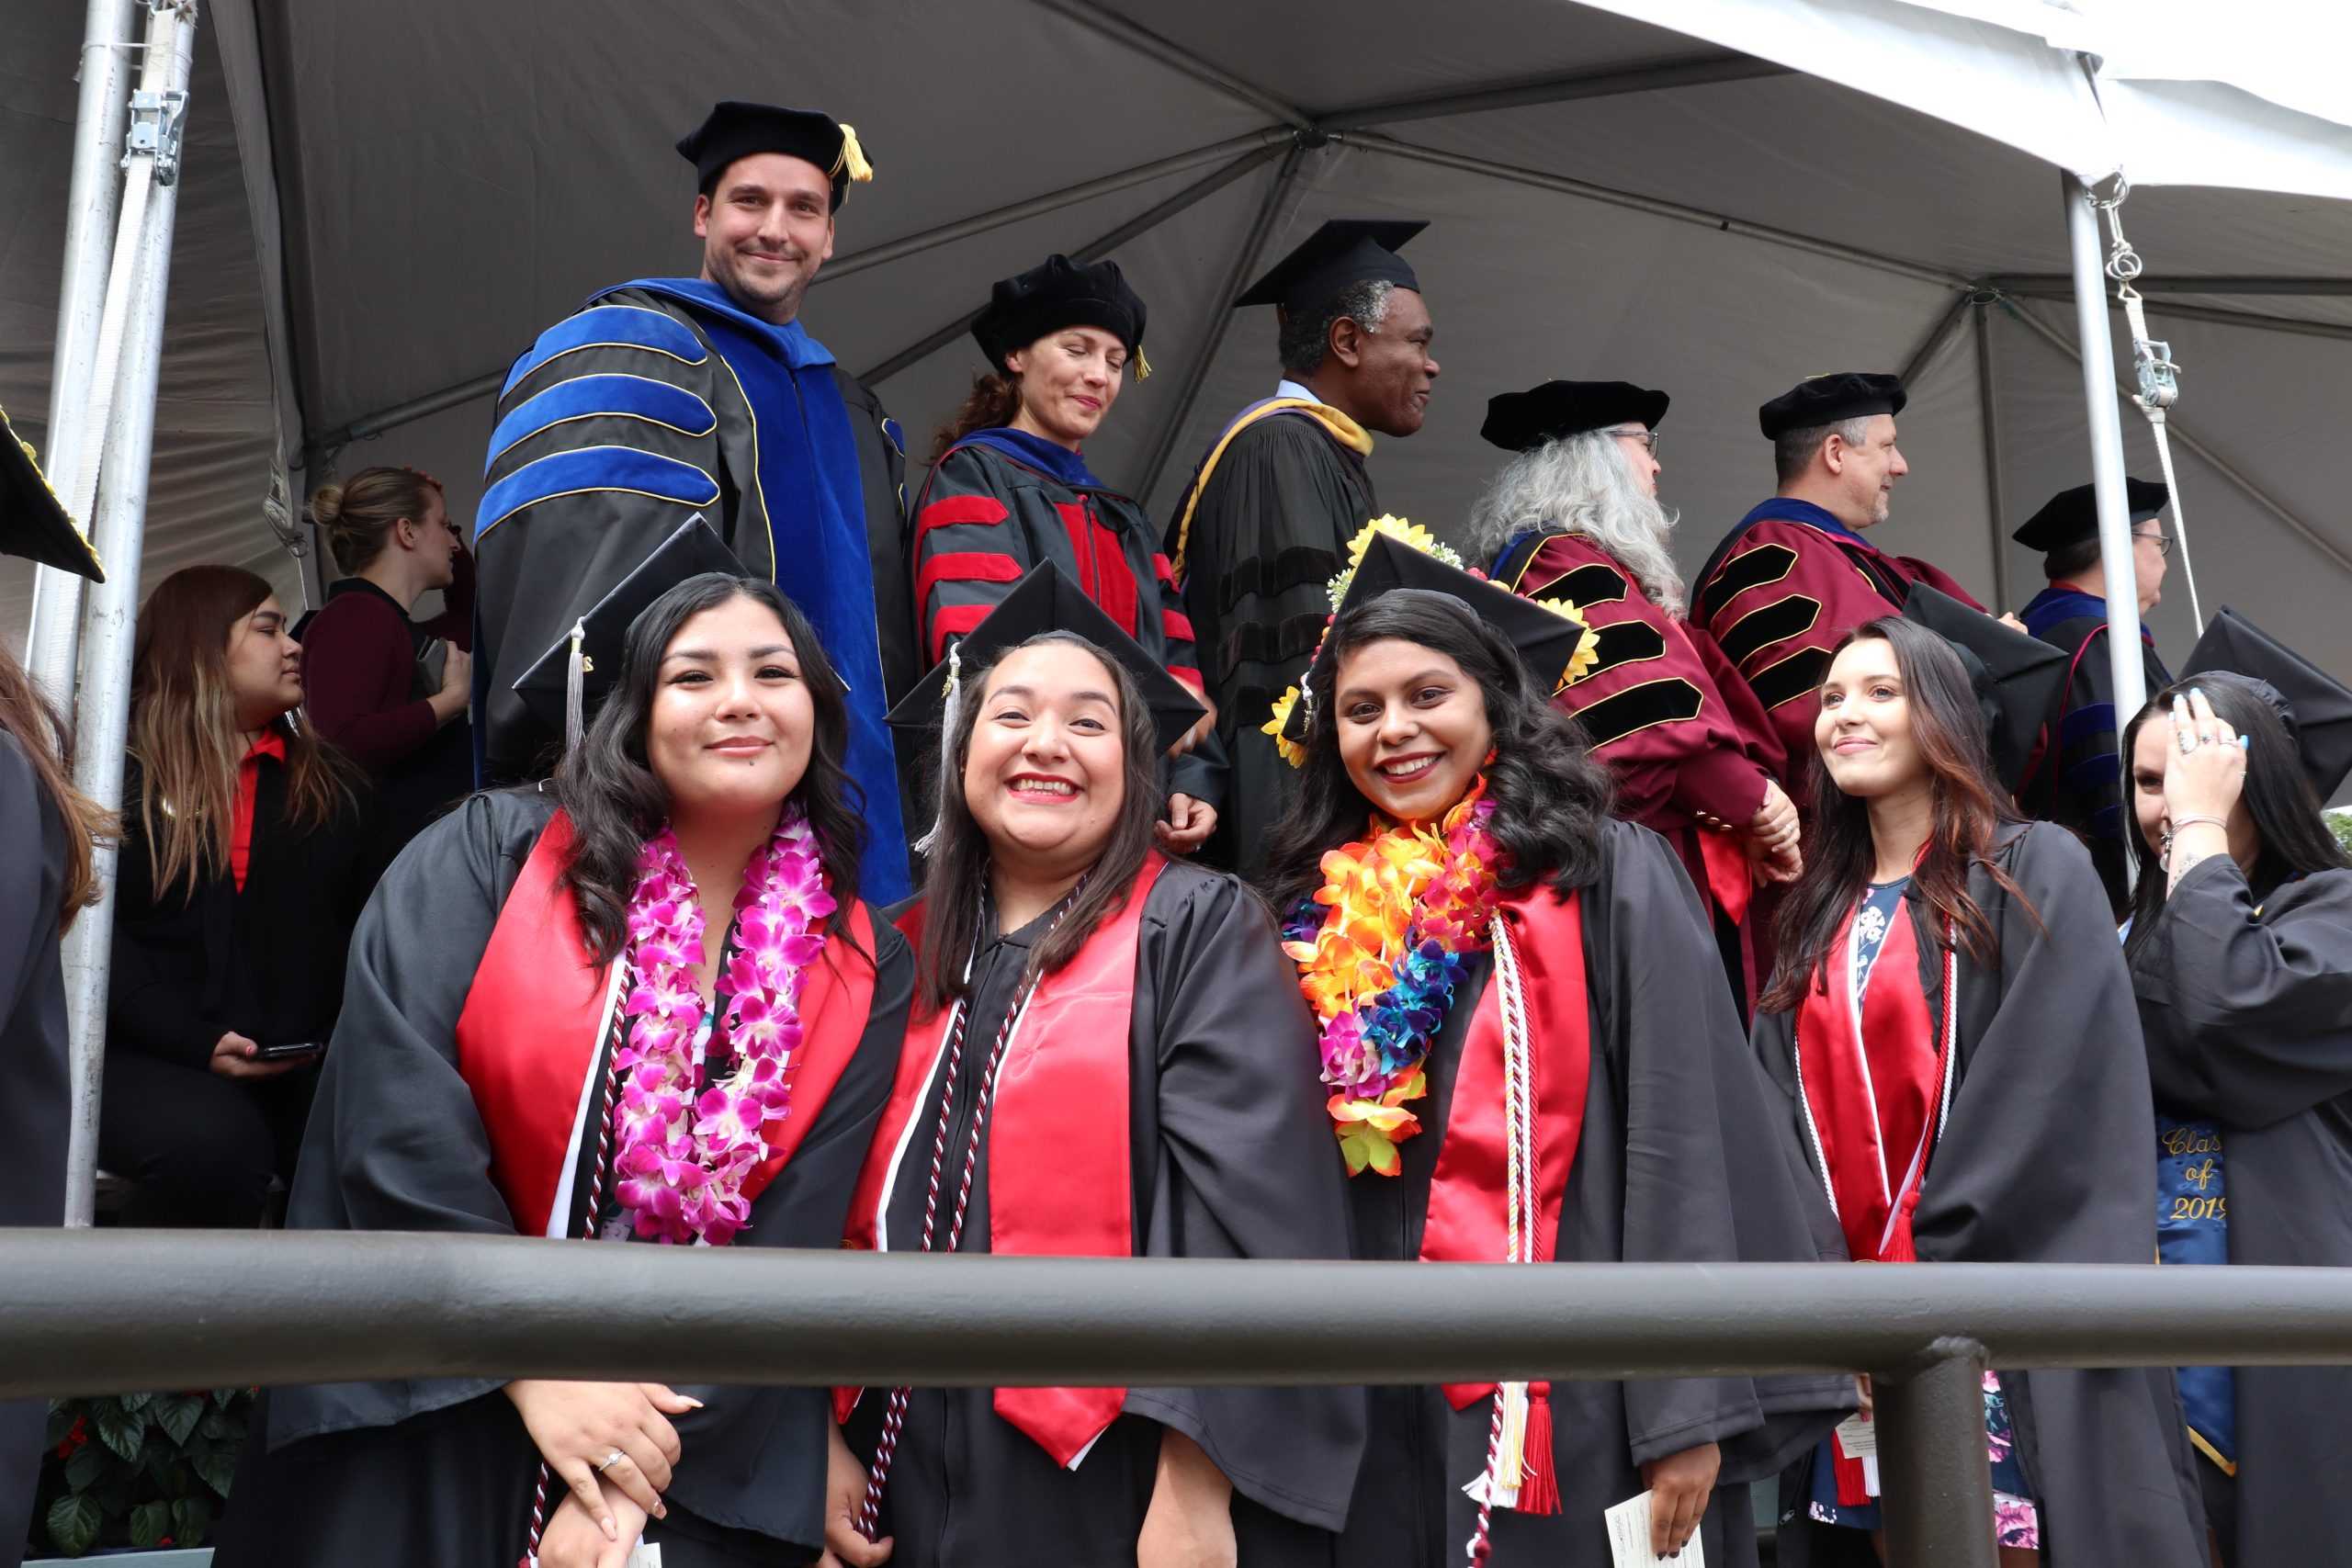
[2205, 737]
[611, 1460]
[2187, 741]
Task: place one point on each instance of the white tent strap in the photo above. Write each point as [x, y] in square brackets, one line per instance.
[2154, 367]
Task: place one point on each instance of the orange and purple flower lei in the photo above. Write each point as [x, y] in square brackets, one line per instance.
[1379, 949]
[683, 1156]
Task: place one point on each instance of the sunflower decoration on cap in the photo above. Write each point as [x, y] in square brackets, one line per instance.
[1391, 552]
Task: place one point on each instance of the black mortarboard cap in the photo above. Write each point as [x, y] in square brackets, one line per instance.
[2018, 677]
[1827, 400]
[34, 525]
[1046, 601]
[734, 129]
[1343, 251]
[1517, 422]
[1547, 640]
[545, 687]
[2319, 707]
[1059, 293]
[2072, 515]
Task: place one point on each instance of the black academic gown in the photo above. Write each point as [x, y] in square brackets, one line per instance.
[2047, 1157]
[1679, 1160]
[2248, 1021]
[37, 1109]
[1270, 528]
[440, 1471]
[1233, 1158]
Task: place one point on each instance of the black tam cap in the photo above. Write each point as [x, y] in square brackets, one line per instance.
[1046, 601]
[34, 526]
[1548, 642]
[2316, 706]
[1519, 422]
[2072, 515]
[1055, 294]
[601, 635]
[2017, 678]
[1344, 251]
[1827, 400]
[738, 130]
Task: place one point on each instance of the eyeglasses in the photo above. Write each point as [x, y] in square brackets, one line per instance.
[1649, 438]
[2161, 541]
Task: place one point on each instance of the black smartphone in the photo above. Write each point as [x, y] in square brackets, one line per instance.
[290, 1053]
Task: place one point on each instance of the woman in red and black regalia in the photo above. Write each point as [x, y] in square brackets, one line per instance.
[1953, 1030]
[1009, 488]
[1575, 516]
[1107, 1058]
[552, 1028]
[1476, 934]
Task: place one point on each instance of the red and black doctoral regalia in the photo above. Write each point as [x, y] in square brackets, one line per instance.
[1691, 751]
[1657, 1141]
[1158, 1099]
[456, 1097]
[1784, 585]
[2045, 1156]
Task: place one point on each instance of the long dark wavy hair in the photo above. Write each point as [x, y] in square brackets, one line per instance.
[955, 883]
[616, 803]
[1971, 817]
[1551, 798]
[2293, 836]
[47, 741]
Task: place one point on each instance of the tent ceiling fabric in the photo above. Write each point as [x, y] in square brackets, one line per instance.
[454, 176]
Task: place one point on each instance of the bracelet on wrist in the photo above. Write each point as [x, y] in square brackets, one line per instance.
[2193, 818]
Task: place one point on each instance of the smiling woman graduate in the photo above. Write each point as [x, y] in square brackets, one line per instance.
[1108, 1059]
[554, 1026]
[1953, 1030]
[1508, 981]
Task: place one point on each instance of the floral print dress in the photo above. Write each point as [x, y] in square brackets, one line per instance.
[2015, 1521]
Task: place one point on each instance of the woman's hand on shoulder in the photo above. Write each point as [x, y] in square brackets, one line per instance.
[574, 1538]
[616, 1432]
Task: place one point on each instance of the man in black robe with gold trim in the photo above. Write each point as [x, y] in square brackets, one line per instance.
[1265, 523]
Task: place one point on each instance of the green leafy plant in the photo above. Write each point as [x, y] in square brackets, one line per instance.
[141, 1469]
[2342, 823]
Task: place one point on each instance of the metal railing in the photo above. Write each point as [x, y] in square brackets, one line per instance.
[118, 1310]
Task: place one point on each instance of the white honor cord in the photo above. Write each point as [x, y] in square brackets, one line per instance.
[1506, 1427]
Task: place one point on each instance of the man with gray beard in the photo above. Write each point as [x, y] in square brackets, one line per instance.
[1575, 516]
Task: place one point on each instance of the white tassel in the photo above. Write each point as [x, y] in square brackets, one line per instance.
[575, 667]
[946, 743]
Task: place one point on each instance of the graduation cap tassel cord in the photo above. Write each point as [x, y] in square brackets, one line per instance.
[574, 672]
[946, 740]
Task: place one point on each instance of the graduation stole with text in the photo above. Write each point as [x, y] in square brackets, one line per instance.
[1061, 1178]
[533, 1040]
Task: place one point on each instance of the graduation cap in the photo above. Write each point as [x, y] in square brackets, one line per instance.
[2017, 678]
[2072, 515]
[1344, 251]
[1550, 643]
[569, 680]
[1519, 422]
[734, 129]
[2316, 706]
[1059, 293]
[33, 522]
[1827, 399]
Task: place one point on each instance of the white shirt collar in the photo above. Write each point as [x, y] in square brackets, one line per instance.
[1286, 388]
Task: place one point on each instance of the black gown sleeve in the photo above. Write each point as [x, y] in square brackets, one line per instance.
[1247, 1168]
[2249, 1017]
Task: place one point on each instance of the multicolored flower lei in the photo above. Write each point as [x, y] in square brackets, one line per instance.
[682, 1156]
[1380, 948]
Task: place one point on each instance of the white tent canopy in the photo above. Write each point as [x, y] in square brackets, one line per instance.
[384, 204]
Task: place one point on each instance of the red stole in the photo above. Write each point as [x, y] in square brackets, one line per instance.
[1061, 1178]
[534, 1025]
[1468, 1220]
[1876, 1081]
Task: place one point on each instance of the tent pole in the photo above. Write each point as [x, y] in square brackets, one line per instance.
[54, 634]
[1989, 415]
[2188, 442]
[1100, 18]
[1149, 219]
[2188, 283]
[1237, 276]
[2107, 453]
[1939, 337]
[110, 609]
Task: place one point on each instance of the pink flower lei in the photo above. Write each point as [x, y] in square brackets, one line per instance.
[682, 1157]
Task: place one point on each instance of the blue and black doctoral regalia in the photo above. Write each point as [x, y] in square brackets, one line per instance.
[2079, 780]
[659, 400]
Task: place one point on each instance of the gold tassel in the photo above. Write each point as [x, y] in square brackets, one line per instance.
[854, 158]
[1143, 365]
